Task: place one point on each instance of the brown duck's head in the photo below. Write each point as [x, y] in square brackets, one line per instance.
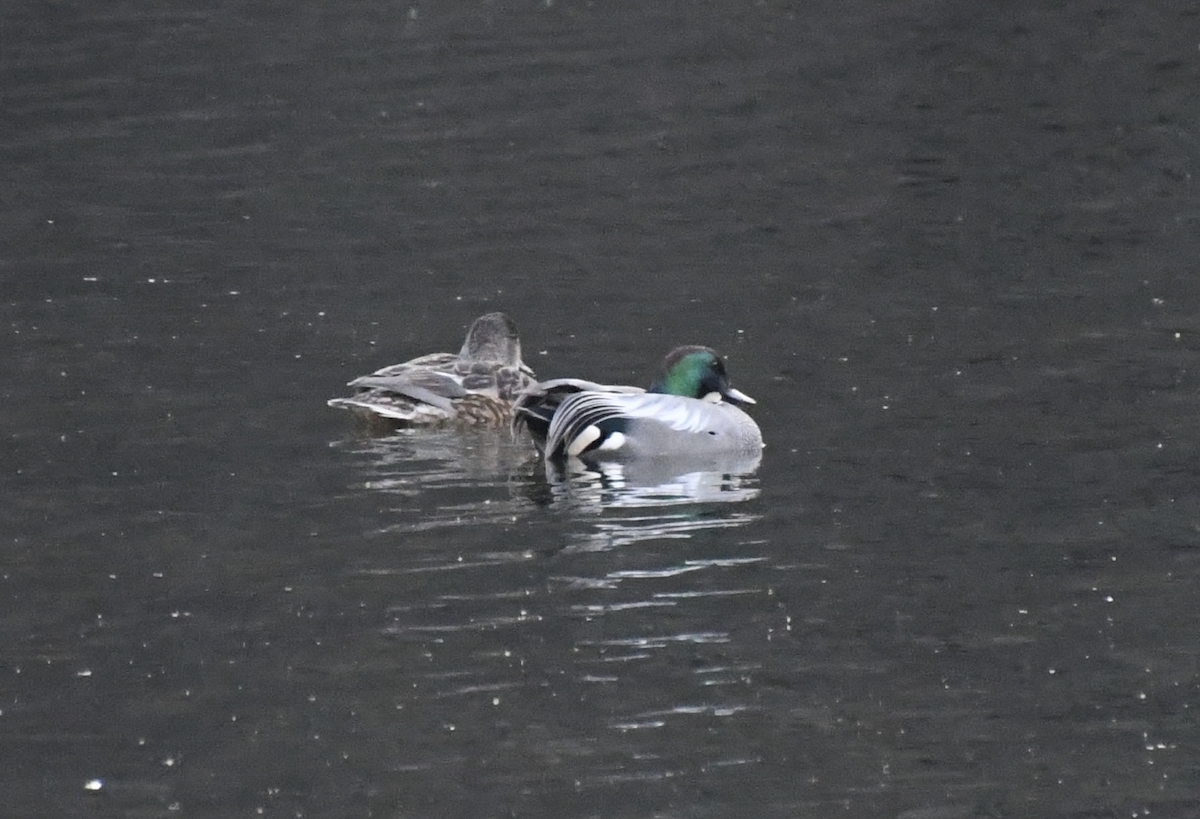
[492, 338]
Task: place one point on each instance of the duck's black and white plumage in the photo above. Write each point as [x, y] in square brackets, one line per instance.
[691, 410]
[474, 388]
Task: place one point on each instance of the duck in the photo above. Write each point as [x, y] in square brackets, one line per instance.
[691, 410]
[474, 388]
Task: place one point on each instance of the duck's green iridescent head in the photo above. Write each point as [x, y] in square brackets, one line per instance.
[697, 372]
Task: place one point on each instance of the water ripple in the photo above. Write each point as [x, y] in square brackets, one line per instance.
[434, 479]
[623, 574]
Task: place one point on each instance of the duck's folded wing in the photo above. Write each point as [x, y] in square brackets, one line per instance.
[432, 361]
[426, 386]
[590, 421]
[586, 420]
[537, 405]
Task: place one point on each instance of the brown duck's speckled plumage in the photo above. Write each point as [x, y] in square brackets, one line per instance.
[473, 389]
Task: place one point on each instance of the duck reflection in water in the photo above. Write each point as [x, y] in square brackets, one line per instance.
[654, 482]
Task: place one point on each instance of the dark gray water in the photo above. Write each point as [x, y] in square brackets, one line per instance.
[951, 249]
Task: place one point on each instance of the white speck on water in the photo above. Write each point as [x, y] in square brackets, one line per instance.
[93, 785]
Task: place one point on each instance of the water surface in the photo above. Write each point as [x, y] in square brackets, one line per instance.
[950, 251]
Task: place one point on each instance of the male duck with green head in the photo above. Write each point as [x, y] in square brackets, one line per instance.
[691, 410]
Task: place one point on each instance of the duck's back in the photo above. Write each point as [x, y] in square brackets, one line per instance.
[691, 425]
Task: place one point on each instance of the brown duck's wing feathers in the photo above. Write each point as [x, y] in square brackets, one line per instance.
[445, 362]
[417, 383]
